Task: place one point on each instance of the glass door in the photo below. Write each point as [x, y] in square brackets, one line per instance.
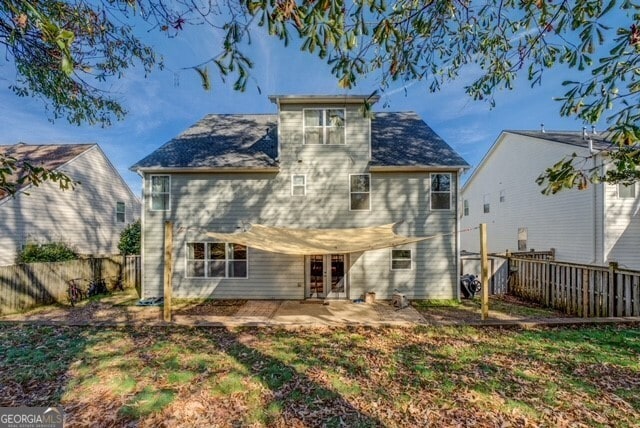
[316, 277]
[327, 276]
[337, 280]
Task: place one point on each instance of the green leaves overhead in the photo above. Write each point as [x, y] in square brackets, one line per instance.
[64, 50]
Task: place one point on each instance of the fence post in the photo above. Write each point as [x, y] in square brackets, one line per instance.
[585, 293]
[484, 271]
[168, 269]
[613, 291]
[548, 282]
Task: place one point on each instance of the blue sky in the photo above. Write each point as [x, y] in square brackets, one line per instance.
[164, 104]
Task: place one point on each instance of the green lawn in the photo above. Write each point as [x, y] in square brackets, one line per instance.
[325, 377]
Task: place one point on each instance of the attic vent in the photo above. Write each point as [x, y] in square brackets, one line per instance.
[542, 128]
[584, 132]
[593, 130]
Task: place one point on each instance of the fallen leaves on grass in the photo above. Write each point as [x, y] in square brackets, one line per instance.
[396, 377]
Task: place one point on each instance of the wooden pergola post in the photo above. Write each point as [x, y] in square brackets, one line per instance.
[168, 269]
[484, 268]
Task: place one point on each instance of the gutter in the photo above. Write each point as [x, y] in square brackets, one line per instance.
[416, 168]
[221, 170]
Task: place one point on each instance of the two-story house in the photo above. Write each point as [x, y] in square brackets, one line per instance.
[596, 225]
[89, 218]
[318, 200]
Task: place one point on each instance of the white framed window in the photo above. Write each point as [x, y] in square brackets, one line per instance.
[160, 193]
[503, 196]
[120, 212]
[401, 259]
[625, 191]
[440, 191]
[359, 192]
[465, 207]
[216, 260]
[324, 126]
[298, 185]
[486, 205]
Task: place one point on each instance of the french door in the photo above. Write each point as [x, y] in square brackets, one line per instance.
[326, 276]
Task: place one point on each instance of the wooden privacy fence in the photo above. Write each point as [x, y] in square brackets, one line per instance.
[30, 285]
[132, 272]
[577, 289]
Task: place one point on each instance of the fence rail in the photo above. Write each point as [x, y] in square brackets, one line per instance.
[577, 289]
[30, 285]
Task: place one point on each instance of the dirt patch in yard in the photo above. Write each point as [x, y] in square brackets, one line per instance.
[505, 307]
[208, 307]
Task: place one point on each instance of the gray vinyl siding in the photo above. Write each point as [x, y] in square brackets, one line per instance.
[568, 221]
[84, 218]
[622, 225]
[226, 202]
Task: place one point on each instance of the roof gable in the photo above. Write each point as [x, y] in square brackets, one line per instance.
[48, 156]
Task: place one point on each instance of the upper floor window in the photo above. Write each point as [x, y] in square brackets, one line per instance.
[441, 191]
[120, 210]
[626, 191]
[486, 206]
[503, 196]
[360, 192]
[216, 260]
[465, 207]
[298, 185]
[160, 192]
[324, 126]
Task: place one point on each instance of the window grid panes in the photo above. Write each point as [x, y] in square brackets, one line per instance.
[298, 185]
[626, 191]
[400, 259]
[324, 126]
[216, 260]
[120, 210]
[160, 192]
[441, 191]
[465, 205]
[360, 192]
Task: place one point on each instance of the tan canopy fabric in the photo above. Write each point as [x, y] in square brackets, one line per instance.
[317, 241]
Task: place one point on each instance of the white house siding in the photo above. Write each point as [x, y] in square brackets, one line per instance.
[84, 218]
[227, 201]
[622, 228]
[567, 221]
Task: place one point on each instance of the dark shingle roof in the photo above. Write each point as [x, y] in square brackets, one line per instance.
[404, 139]
[48, 156]
[398, 139]
[220, 141]
[573, 138]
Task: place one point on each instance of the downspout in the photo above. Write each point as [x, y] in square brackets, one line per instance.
[278, 133]
[458, 202]
[143, 207]
[594, 205]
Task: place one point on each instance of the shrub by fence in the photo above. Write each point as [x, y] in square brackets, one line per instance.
[577, 289]
[30, 285]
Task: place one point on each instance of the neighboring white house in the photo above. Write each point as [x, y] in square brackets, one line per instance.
[251, 198]
[597, 225]
[88, 218]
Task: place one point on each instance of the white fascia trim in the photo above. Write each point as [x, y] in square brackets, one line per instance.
[223, 169]
[417, 168]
